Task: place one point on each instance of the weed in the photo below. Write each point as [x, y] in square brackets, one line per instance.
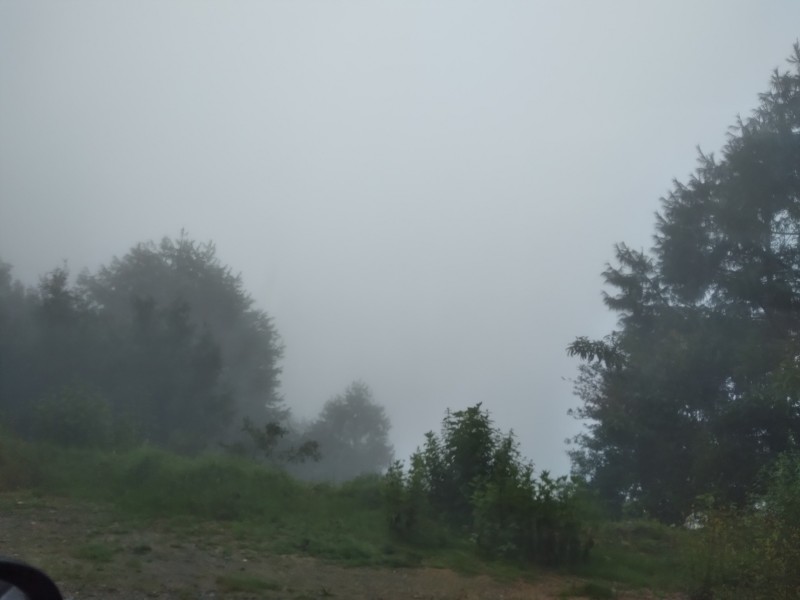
[227, 504]
[96, 552]
[246, 583]
[639, 554]
[595, 591]
[134, 564]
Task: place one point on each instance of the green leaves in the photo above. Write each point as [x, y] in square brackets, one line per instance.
[601, 351]
[73, 416]
[689, 394]
[352, 436]
[167, 336]
[473, 478]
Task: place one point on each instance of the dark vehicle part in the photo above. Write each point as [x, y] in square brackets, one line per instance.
[20, 581]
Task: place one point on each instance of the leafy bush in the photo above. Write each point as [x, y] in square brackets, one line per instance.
[520, 516]
[777, 518]
[754, 552]
[720, 555]
[472, 478]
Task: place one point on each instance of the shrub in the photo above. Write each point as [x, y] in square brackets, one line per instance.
[407, 503]
[753, 552]
[777, 518]
[473, 478]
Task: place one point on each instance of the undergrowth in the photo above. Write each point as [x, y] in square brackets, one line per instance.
[258, 506]
[640, 553]
[266, 510]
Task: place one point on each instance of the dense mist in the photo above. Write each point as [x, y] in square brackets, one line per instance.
[418, 197]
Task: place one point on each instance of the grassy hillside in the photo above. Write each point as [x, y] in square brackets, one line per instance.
[269, 511]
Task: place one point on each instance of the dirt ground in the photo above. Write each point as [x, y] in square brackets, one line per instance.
[93, 555]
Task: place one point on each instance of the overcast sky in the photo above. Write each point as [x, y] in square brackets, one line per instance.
[422, 194]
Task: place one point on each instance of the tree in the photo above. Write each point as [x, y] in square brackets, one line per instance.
[694, 392]
[48, 339]
[168, 378]
[167, 336]
[471, 478]
[184, 273]
[73, 416]
[17, 341]
[352, 431]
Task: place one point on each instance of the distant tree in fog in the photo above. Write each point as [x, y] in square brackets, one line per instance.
[184, 275]
[166, 335]
[18, 376]
[352, 431]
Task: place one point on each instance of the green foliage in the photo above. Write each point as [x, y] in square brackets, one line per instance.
[17, 339]
[265, 443]
[213, 487]
[592, 590]
[365, 490]
[245, 583]
[166, 336]
[96, 552]
[221, 496]
[20, 465]
[473, 478]
[695, 392]
[410, 515]
[181, 272]
[73, 416]
[605, 352]
[753, 552]
[720, 553]
[639, 553]
[350, 437]
[778, 522]
[517, 516]
[262, 505]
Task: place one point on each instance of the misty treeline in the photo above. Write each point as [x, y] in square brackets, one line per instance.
[165, 346]
[696, 393]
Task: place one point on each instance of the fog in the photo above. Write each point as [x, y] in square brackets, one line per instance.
[421, 194]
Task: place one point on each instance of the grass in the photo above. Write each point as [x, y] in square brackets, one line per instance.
[596, 591]
[235, 502]
[95, 552]
[231, 506]
[133, 565]
[261, 508]
[640, 553]
[246, 583]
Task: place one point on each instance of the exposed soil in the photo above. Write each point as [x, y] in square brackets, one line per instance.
[92, 554]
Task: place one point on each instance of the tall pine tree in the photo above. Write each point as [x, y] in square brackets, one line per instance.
[697, 389]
